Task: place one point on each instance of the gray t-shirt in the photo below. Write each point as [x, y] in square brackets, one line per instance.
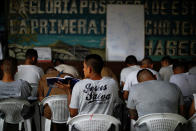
[18, 88]
[155, 97]
[95, 96]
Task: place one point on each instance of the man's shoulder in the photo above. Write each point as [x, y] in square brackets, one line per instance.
[166, 68]
[164, 84]
[34, 67]
[132, 75]
[124, 69]
[21, 82]
[178, 76]
[152, 83]
[18, 82]
[104, 80]
[37, 68]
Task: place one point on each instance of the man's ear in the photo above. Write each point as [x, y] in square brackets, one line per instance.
[90, 69]
[33, 58]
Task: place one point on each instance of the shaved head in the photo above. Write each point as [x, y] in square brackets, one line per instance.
[145, 75]
[147, 63]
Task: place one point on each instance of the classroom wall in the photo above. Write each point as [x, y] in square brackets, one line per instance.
[76, 28]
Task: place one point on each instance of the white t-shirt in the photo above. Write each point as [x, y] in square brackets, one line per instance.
[166, 72]
[186, 82]
[126, 71]
[31, 74]
[95, 96]
[18, 88]
[192, 70]
[132, 79]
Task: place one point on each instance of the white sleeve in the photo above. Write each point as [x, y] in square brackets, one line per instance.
[122, 77]
[128, 83]
[172, 79]
[161, 72]
[41, 72]
[158, 76]
[74, 104]
[131, 104]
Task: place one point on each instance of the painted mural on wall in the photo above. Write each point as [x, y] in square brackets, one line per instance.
[75, 28]
[72, 29]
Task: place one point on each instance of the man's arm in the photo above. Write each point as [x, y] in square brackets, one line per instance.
[133, 114]
[73, 112]
[125, 94]
[122, 83]
[181, 110]
[192, 109]
[40, 90]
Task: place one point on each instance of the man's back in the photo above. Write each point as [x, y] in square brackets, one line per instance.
[155, 97]
[126, 71]
[186, 82]
[43, 90]
[132, 78]
[95, 96]
[29, 73]
[43, 87]
[166, 72]
[18, 88]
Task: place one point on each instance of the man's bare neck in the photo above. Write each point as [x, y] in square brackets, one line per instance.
[8, 78]
[95, 77]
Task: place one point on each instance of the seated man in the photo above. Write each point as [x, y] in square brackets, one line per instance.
[166, 68]
[10, 87]
[43, 88]
[131, 63]
[29, 71]
[184, 80]
[132, 77]
[94, 94]
[153, 96]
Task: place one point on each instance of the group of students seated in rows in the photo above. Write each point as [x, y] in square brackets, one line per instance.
[169, 90]
[144, 90]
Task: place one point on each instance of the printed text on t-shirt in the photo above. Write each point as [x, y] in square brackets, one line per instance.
[96, 93]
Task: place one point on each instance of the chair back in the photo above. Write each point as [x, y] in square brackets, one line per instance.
[161, 121]
[194, 95]
[192, 120]
[94, 122]
[12, 108]
[34, 89]
[58, 107]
